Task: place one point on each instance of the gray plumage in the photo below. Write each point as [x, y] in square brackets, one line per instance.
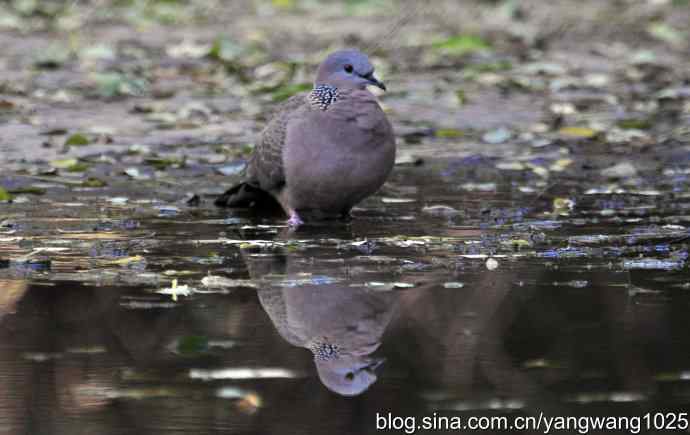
[323, 151]
[340, 323]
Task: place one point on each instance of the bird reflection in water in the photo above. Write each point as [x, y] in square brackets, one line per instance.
[339, 321]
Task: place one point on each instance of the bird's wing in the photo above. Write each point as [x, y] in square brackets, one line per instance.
[273, 302]
[265, 169]
[271, 298]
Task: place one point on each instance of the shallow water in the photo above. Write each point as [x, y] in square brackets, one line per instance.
[508, 302]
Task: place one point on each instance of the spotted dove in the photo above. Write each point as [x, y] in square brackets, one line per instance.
[324, 151]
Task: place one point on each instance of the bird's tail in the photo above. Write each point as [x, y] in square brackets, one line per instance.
[245, 195]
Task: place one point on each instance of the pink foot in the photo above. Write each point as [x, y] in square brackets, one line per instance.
[294, 220]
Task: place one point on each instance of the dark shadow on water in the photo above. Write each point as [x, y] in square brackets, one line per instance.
[509, 342]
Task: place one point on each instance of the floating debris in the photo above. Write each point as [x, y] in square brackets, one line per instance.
[306, 280]
[537, 225]
[491, 264]
[174, 290]
[596, 239]
[386, 286]
[243, 373]
[127, 261]
[118, 200]
[471, 405]
[440, 211]
[653, 264]
[620, 170]
[541, 363]
[397, 200]
[576, 283]
[41, 356]
[569, 252]
[142, 393]
[143, 305]
[137, 174]
[578, 132]
[221, 282]
[479, 187]
[511, 166]
[497, 136]
[455, 284]
[635, 291]
[94, 350]
[232, 169]
[616, 397]
[231, 393]
[563, 206]
[167, 210]
[673, 376]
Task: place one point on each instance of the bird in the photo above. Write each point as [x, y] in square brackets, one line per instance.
[342, 326]
[324, 150]
[342, 323]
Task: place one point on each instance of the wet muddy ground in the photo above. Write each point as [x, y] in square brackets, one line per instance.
[529, 253]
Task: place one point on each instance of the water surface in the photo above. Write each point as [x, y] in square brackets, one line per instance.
[504, 301]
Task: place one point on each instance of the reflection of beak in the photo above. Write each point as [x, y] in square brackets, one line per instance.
[374, 81]
[375, 364]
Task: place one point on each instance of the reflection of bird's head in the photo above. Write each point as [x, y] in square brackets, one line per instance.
[348, 375]
[345, 373]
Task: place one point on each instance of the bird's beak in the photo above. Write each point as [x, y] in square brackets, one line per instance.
[374, 81]
[375, 364]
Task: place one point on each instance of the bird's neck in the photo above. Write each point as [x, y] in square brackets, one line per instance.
[323, 95]
[323, 349]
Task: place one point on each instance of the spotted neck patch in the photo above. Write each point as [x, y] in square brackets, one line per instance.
[322, 96]
[324, 351]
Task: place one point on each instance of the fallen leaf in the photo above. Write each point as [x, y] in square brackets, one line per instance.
[448, 133]
[77, 139]
[578, 132]
[63, 163]
[460, 45]
[5, 195]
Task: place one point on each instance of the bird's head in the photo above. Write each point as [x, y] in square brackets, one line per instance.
[347, 69]
[348, 375]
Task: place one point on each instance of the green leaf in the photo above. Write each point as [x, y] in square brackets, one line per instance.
[78, 167]
[578, 132]
[448, 132]
[225, 49]
[635, 124]
[77, 139]
[63, 163]
[114, 84]
[5, 195]
[462, 98]
[247, 149]
[70, 165]
[30, 190]
[94, 182]
[287, 91]
[487, 67]
[163, 163]
[99, 51]
[284, 4]
[460, 45]
[192, 344]
[667, 34]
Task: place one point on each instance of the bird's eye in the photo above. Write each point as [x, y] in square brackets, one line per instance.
[350, 376]
[349, 68]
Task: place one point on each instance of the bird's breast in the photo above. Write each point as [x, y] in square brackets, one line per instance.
[331, 163]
